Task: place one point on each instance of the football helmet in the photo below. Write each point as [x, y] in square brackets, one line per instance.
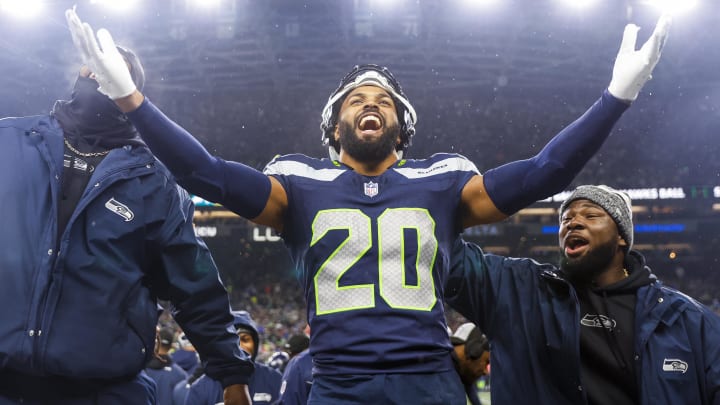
[368, 75]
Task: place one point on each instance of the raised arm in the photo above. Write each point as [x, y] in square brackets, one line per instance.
[241, 189]
[504, 190]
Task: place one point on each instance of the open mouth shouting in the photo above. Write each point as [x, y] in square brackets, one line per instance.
[370, 123]
[575, 245]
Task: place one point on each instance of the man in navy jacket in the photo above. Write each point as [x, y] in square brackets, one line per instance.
[601, 329]
[94, 232]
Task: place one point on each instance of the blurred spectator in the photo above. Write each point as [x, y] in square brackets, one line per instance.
[296, 344]
[185, 356]
[162, 369]
[471, 356]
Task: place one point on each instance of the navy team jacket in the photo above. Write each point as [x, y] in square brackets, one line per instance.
[531, 316]
[85, 306]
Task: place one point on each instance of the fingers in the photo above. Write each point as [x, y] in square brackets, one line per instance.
[106, 40]
[83, 37]
[91, 43]
[663, 25]
[72, 17]
[656, 42]
[629, 38]
[76, 31]
[662, 30]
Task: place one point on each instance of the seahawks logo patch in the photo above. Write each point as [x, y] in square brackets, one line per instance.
[120, 209]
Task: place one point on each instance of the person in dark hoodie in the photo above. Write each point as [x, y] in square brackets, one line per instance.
[95, 233]
[601, 329]
[265, 382]
[162, 369]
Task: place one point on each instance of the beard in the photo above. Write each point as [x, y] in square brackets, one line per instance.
[584, 269]
[368, 151]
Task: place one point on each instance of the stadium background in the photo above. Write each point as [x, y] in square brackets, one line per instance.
[493, 82]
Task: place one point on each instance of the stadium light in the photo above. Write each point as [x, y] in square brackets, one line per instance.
[673, 6]
[580, 4]
[481, 3]
[382, 5]
[21, 8]
[205, 3]
[117, 5]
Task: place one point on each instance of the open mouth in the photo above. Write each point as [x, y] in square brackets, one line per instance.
[575, 245]
[370, 123]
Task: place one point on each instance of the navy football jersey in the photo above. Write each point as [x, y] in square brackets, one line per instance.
[372, 254]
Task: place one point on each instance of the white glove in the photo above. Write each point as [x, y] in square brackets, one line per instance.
[634, 68]
[110, 69]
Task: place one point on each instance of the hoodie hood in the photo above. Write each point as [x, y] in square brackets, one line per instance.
[639, 275]
[92, 122]
[243, 322]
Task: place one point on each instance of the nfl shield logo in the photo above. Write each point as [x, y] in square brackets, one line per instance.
[371, 189]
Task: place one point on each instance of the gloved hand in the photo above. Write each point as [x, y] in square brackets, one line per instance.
[110, 69]
[634, 68]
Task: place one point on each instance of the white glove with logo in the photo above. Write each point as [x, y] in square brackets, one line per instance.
[110, 69]
[634, 68]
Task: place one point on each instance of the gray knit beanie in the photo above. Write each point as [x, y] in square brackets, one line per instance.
[616, 203]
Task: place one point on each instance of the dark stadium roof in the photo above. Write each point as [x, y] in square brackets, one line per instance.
[493, 83]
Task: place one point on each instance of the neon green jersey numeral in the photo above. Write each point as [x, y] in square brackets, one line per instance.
[330, 297]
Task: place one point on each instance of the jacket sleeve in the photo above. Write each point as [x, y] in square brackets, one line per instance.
[711, 350]
[483, 286]
[186, 275]
[470, 288]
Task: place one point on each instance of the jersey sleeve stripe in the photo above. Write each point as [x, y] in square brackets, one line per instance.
[451, 164]
[293, 168]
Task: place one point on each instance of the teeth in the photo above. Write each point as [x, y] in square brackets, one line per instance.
[370, 121]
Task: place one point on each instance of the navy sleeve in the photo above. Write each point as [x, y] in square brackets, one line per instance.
[516, 185]
[188, 278]
[468, 287]
[238, 187]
